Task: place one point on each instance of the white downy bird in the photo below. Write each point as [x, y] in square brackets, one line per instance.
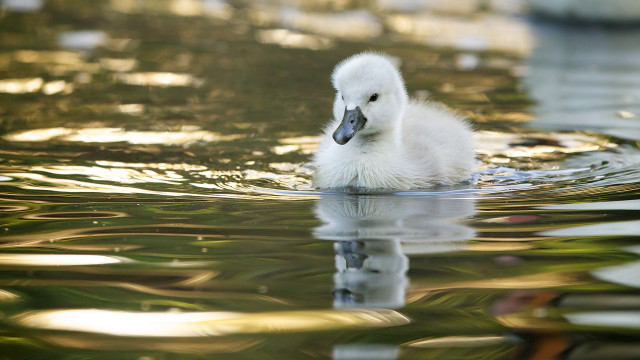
[381, 139]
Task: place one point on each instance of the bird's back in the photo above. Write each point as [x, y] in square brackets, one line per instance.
[439, 140]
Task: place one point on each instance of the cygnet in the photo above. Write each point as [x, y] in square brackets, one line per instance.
[381, 139]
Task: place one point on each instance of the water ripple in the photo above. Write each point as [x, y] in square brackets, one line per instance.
[198, 324]
[57, 260]
[509, 164]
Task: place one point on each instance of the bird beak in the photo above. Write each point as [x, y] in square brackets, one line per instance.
[352, 121]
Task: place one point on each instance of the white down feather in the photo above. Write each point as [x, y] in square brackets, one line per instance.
[404, 144]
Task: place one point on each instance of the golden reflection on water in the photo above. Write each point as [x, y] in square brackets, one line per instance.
[58, 259]
[290, 39]
[119, 65]
[458, 24]
[496, 149]
[188, 283]
[57, 86]
[224, 181]
[288, 180]
[199, 324]
[498, 247]
[117, 175]
[131, 109]
[485, 32]
[291, 167]
[52, 184]
[21, 86]
[460, 341]
[72, 215]
[49, 57]
[57, 63]
[186, 135]
[159, 166]
[303, 144]
[161, 79]
[505, 148]
[211, 8]
[530, 281]
[525, 321]
[38, 134]
[349, 25]
[7, 296]
[175, 345]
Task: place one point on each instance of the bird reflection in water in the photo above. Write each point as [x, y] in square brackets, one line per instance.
[373, 235]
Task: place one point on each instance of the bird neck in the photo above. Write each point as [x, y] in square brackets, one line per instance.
[384, 140]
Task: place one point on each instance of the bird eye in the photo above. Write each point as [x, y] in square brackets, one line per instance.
[373, 97]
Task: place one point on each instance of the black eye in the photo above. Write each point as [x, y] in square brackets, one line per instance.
[373, 97]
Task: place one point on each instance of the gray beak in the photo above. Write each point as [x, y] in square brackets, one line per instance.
[352, 121]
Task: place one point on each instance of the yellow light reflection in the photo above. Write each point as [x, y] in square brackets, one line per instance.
[181, 345]
[501, 247]
[495, 144]
[348, 25]
[118, 175]
[284, 149]
[57, 62]
[519, 321]
[303, 144]
[457, 7]
[291, 167]
[49, 57]
[74, 186]
[109, 135]
[71, 215]
[184, 136]
[120, 65]
[20, 86]
[532, 281]
[481, 33]
[159, 166]
[7, 296]
[38, 134]
[218, 9]
[57, 259]
[287, 180]
[214, 8]
[460, 341]
[290, 39]
[199, 324]
[301, 140]
[131, 109]
[162, 79]
[55, 87]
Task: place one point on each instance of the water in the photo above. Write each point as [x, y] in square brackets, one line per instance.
[157, 203]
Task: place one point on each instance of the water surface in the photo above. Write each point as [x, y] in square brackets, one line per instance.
[156, 193]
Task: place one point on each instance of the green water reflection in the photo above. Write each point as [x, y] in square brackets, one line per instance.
[156, 202]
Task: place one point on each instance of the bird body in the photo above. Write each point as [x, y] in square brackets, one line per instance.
[380, 139]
